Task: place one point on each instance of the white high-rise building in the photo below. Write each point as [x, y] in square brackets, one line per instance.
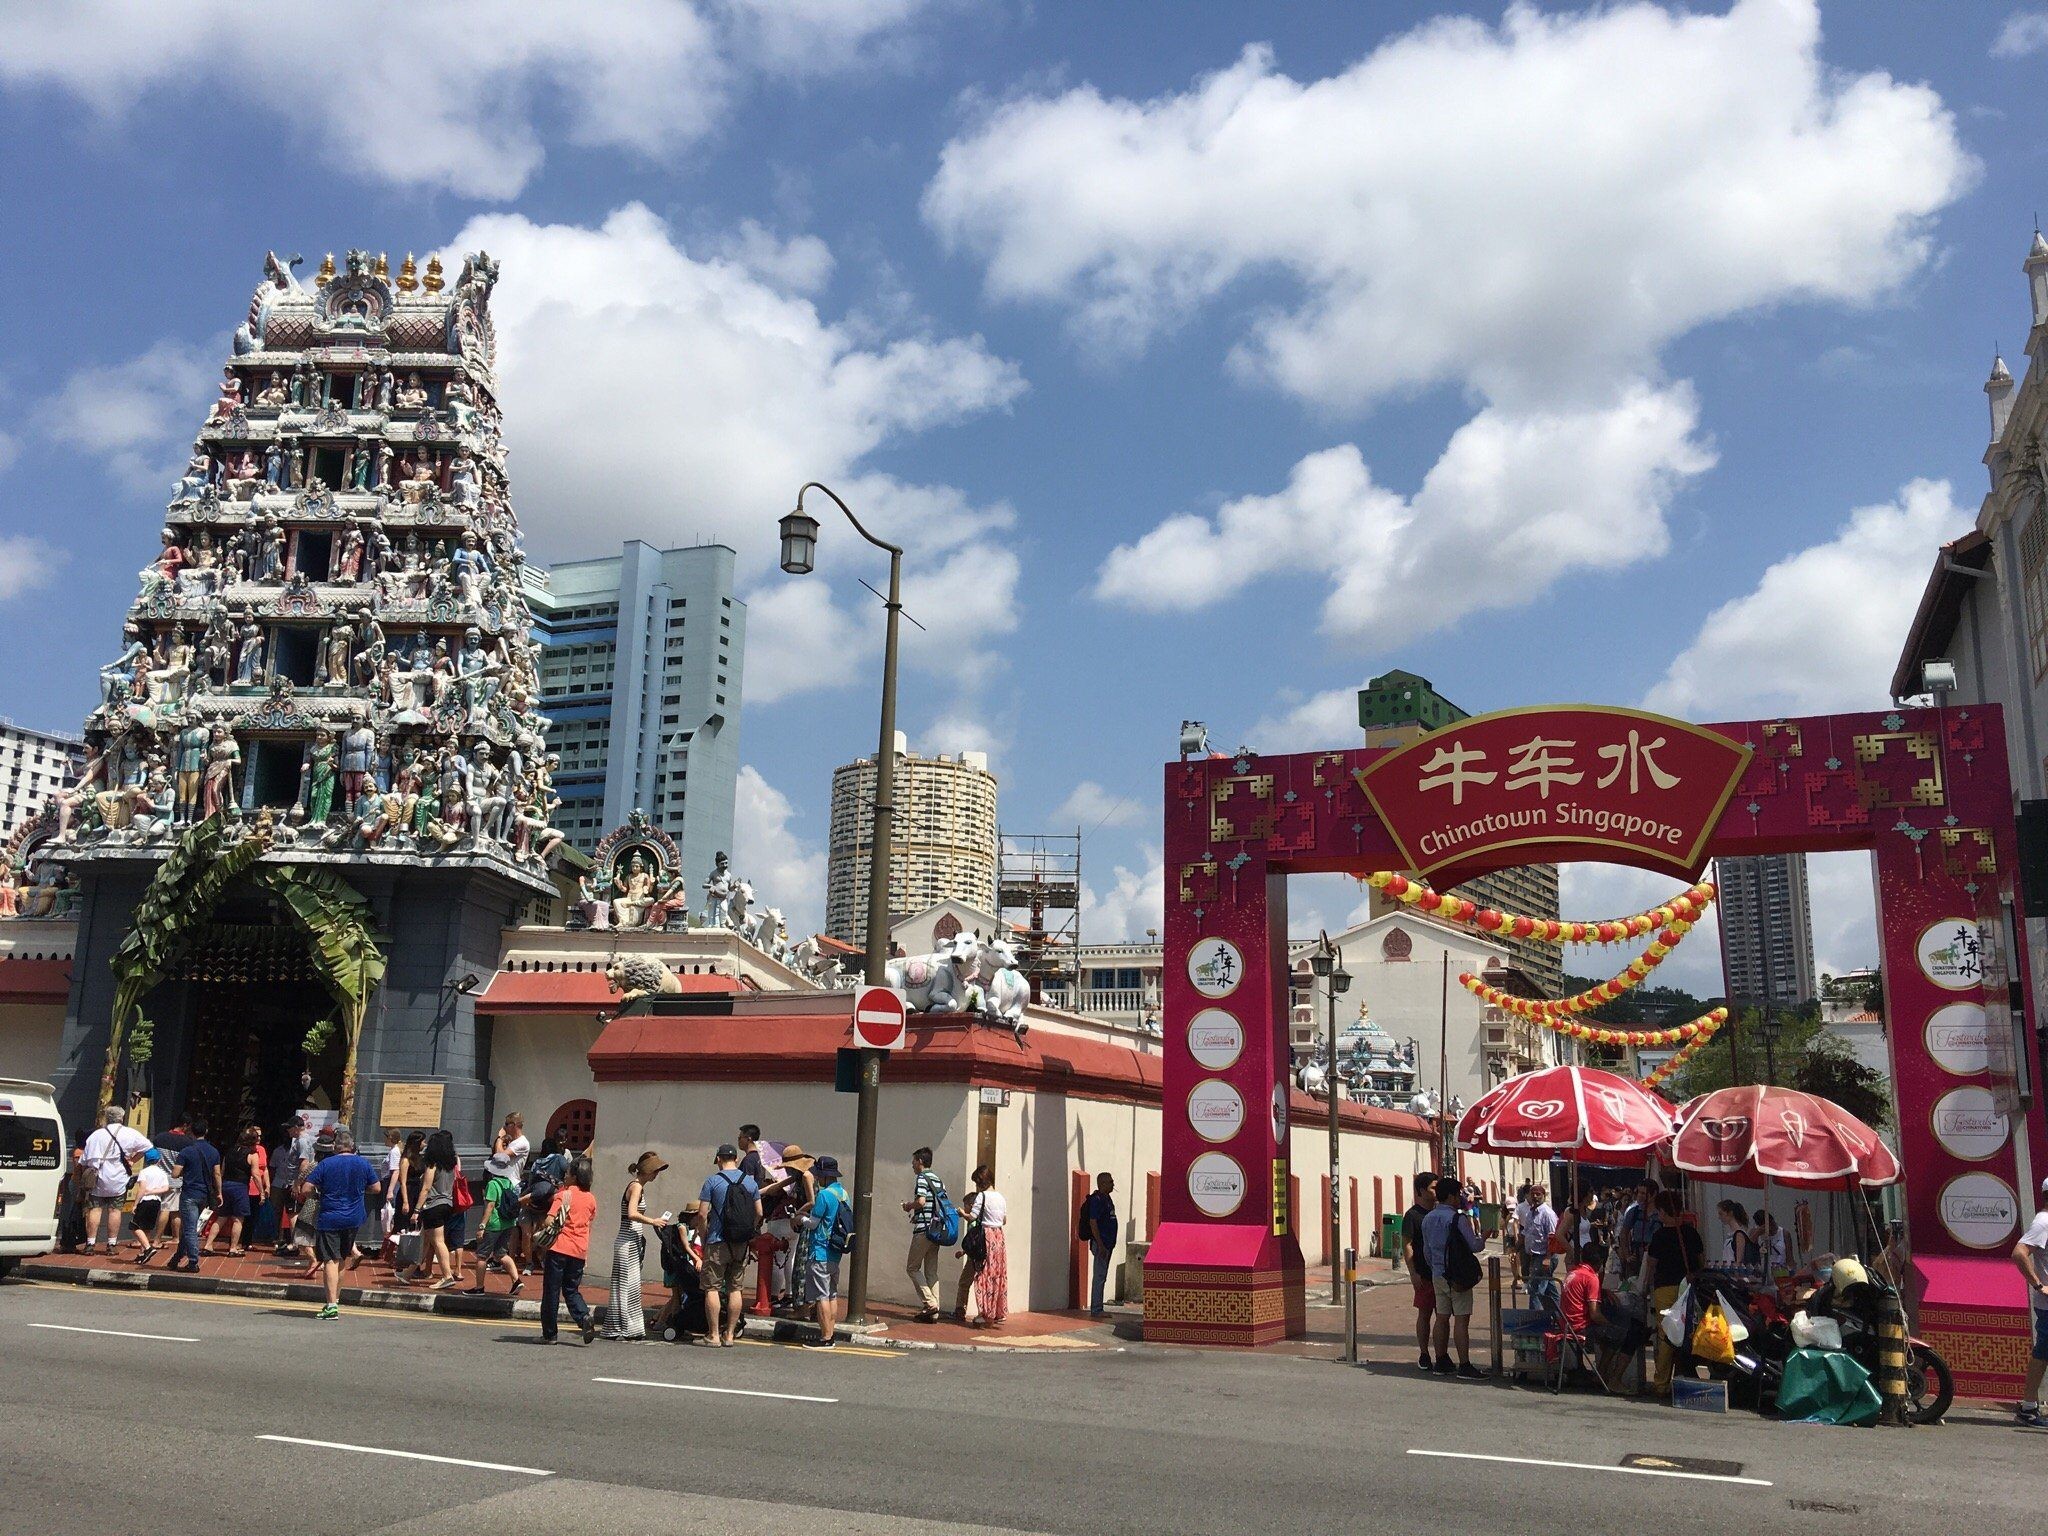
[640, 673]
[34, 765]
[1766, 930]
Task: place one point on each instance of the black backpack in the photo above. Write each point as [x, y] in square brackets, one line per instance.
[736, 1213]
[1461, 1264]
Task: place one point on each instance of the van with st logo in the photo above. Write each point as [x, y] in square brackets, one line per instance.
[32, 1156]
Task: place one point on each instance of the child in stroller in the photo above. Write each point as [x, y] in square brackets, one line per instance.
[683, 1318]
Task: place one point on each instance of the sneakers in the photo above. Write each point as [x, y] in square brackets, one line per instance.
[1471, 1373]
[832, 1343]
[1444, 1367]
[1424, 1363]
[2031, 1418]
[328, 1313]
[588, 1327]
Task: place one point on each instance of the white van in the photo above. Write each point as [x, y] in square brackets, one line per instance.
[32, 1160]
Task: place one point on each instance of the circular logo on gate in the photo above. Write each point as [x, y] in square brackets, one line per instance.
[1979, 1210]
[1951, 954]
[1215, 1184]
[1215, 1110]
[1970, 1124]
[1215, 1039]
[1958, 1039]
[1280, 1113]
[1215, 966]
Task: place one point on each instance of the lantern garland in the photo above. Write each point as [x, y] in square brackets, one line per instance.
[1686, 1052]
[1539, 1013]
[1687, 907]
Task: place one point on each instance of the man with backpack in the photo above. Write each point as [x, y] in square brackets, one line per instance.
[1097, 1228]
[934, 1227]
[828, 1234]
[501, 1205]
[1451, 1245]
[728, 1220]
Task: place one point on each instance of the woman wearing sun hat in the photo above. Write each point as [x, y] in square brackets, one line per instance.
[623, 1320]
[782, 1202]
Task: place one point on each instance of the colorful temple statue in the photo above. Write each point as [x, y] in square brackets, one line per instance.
[264, 660]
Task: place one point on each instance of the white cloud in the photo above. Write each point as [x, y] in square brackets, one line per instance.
[436, 93]
[1518, 499]
[2024, 33]
[1526, 209]
[1312, 724]
[1134, 900]
[1089, 806]
[786, 870]
[25, 564]
[1844, 902]
[962, 729]
[658, 394]
[1821, 630]
[140, 415]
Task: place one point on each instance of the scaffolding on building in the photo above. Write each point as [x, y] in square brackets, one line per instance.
[1038, 878]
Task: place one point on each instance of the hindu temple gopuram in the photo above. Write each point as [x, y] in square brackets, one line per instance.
[317, 788]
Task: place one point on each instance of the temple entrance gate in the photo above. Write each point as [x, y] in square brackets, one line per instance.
[1926, 792]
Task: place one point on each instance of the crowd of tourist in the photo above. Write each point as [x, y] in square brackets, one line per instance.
[331, 1209]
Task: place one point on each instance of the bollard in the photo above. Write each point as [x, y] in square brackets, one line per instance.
[1493, 1311]
[1351, 1305]
[1891, 1364]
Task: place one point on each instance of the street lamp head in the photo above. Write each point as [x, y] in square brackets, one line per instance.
[1323, 959]
[799, 543]
[1340, 980]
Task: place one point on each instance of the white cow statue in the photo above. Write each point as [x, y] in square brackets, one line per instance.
[762, 929]
[1001, 987]
[938, 982]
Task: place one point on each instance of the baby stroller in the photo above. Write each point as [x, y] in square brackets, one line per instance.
[684, 1317]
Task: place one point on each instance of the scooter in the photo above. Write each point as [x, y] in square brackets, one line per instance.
[1857, 1308]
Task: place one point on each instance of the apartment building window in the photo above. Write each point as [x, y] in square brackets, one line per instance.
[2034, 582]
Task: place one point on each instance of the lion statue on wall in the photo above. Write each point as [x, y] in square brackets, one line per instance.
[634, 976]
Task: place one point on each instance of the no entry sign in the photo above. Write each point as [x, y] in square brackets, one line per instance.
[880, 1018]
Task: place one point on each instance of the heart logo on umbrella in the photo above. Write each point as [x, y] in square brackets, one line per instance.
[1541, 1109]
[1734, 1128]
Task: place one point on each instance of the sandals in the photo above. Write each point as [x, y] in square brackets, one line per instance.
[445, 1285]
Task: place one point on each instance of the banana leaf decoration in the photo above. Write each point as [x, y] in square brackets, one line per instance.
[190, 883]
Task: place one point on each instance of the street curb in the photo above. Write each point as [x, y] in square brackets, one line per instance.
[510, 1309]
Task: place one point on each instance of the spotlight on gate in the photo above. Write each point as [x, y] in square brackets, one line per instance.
[1938, 676]
[1194, 739]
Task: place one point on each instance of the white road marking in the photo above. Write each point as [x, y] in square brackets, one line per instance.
[378, 1450]
[684, 1386]
[115, 1333]
[1593, 1466]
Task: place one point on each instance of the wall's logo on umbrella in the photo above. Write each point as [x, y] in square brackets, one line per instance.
[1541, 1109]
[1795, 1126]
[1734, 1128]
[1617, 1106]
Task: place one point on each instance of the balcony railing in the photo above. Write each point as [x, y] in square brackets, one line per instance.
[1098, 1002]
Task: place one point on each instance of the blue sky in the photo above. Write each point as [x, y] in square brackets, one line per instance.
[1208, 359]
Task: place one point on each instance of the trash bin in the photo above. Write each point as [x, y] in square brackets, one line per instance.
[1390, 1239]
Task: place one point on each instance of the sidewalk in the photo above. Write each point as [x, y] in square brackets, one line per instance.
[372, 1284]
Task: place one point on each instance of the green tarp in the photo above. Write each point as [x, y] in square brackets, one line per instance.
[1825, 1386]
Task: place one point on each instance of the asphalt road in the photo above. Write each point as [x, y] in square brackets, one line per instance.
[146, 1412]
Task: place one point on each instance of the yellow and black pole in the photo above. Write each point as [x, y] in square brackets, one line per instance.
[1891, 1363]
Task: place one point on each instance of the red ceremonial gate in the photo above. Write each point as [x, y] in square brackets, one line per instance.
[1925, 791]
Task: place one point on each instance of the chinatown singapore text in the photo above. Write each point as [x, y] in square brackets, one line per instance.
[1542, 767]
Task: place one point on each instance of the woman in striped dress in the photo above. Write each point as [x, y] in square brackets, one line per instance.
[624, 1321]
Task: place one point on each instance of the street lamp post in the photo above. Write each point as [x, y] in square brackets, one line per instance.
[1328, 962]
[1768, 1027]
[799, 533]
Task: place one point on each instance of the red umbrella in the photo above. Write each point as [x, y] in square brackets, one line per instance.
[1755, 1133]
[1579, 1112]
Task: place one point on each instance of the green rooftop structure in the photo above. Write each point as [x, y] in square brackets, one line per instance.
[1402, 698]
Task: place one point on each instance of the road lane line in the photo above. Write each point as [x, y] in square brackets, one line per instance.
[115, 1333]
[1594, 1466]
[282, 1306]
[684, 1386]
[378, 1450]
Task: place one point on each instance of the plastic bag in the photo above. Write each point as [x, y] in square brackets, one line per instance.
[1738, 1330]
[1810, 1332]
[1674, 1317]
[1710, 1340]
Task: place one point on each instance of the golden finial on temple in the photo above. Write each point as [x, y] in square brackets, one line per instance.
[408, 275]
[432, 282]
[382, 271]
[326, 273]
